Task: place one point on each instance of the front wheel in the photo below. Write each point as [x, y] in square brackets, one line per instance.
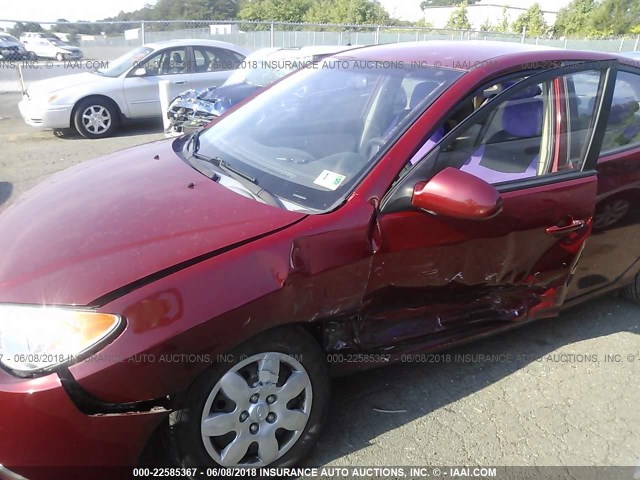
[266, 407]
[95, 118]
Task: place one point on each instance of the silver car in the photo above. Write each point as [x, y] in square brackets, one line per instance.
[94, 103]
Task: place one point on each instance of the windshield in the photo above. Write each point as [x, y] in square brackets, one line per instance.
[57, 42]
[121, 64]
[260, 68]
[311, 137]
[8, 38]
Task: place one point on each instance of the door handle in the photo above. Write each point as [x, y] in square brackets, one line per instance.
[572, 226]
[179, 82]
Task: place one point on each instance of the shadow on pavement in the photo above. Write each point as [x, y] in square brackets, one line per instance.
[411, 391]
[129, 128]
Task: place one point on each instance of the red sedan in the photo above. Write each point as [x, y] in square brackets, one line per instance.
[389, 200]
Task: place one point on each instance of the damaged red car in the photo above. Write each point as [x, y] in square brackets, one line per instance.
[199, 292]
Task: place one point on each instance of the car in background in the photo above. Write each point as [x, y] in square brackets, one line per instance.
[39, 45]
[193, 109]
[11, 48]
[196, 294]
[95, 102]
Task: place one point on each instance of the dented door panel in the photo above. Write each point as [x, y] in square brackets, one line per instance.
[433, 273]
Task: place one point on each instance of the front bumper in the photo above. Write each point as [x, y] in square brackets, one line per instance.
[72, 55]
[42, 115]
[41, 428]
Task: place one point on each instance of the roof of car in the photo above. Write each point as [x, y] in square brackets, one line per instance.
[277, 53]
[194, 41]
[462, 55]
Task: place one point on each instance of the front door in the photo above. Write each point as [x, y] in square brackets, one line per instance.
[142, 92]
[453, 277]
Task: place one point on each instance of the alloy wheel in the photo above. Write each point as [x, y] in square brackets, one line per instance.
[257, 410]
[96, 119]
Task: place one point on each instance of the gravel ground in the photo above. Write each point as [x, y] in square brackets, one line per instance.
[551, 398]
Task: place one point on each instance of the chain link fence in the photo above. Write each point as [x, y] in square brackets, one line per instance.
[105, 41]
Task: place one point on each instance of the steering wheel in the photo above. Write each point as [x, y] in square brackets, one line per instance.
[371, 143]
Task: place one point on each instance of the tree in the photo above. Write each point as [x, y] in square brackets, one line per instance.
[20, 27]
[77, 28]
[182, 10]
[574, 19]
[423, 23]
[532, 20]
[486, 26]
[276, 10]
[615, 17]
[503, 25]
[348, 11]
[444, 3]
[459, 19]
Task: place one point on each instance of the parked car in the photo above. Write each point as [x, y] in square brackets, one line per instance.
[11, 48]
[41, 45]
[94, 103]
[398, 199]
[193, 109]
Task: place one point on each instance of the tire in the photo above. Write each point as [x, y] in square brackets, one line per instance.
[632, 292]
[95, 118]
[32, 56]
[264, 433]
[610, 213]
[59, 57]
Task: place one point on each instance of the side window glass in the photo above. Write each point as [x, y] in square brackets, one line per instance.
[219, 60]
[538, 130]
[579, 107]
[201, 59]
[623, 128]
[511, 141]
[167, 62]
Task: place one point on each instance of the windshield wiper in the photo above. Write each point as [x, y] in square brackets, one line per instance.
[217, 161]
[233, 172]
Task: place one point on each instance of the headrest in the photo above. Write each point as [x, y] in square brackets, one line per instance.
[420, 92]
[523, 118]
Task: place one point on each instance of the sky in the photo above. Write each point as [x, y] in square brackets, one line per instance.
[72, 10]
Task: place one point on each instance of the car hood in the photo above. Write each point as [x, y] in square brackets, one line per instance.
[51, 85]
[104, 224]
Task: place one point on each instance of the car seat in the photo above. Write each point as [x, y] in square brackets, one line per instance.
[512, 153]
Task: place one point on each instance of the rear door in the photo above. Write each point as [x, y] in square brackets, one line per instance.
[212, 66]
[614, 247]
[438, 275]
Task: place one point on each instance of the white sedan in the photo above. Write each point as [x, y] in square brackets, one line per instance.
[95, 102]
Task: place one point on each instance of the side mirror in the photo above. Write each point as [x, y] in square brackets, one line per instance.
[139, 72]
[457, 194]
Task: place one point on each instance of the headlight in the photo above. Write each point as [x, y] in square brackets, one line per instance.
[35, 339]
